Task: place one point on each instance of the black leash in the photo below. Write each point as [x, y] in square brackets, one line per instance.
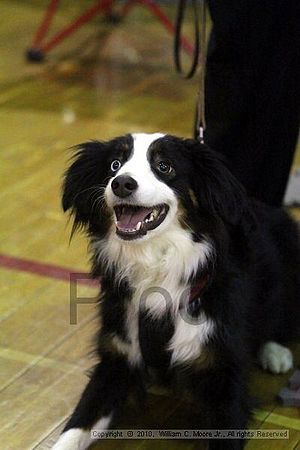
[199, 49]
[182, 4]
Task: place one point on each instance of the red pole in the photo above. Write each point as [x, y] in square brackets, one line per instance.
[102, 5]
[105, 6]
[162, 17]
[44, 26]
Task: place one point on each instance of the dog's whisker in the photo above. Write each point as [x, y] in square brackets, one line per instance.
[98, 202]
[86, 190]
[98, 198]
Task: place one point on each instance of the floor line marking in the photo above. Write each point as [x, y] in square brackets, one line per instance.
[37, 360]
[46, 270]
[56, 344]
[279, 419]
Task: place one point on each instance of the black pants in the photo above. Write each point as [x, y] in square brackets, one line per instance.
[252, 91]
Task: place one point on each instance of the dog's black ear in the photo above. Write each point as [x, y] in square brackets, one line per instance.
[215, 187]
[82, 180]
[87, 177]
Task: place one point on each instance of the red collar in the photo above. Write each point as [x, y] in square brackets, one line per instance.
[198, 288]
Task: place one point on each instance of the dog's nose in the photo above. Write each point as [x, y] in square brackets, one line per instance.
[124, 185]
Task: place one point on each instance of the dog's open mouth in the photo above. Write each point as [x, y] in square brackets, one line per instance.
[135, 221]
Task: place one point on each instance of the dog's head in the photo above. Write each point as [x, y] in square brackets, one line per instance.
[139, 186]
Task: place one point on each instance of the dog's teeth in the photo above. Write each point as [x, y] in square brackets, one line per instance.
[151, 217]
[138, 226]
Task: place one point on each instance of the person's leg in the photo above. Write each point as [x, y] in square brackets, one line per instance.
[252, 91]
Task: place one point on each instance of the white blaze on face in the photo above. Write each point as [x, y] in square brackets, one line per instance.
[151, 191]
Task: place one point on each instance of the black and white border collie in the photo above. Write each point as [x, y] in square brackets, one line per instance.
[196, 280]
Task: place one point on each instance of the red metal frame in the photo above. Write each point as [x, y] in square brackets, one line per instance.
[40, 47]
[161, 16]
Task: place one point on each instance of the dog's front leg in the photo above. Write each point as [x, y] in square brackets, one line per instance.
[100, 402]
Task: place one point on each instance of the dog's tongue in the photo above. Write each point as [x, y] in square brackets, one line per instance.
[130, 217]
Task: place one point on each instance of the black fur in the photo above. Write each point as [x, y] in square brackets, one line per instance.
[252, 295]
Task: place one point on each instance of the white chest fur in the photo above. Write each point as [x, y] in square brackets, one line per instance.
[158, 271]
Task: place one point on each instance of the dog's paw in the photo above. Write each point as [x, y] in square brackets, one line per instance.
[275, 358]
[73, 439]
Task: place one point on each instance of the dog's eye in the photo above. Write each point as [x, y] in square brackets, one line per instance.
[164, 167]
[115, 165]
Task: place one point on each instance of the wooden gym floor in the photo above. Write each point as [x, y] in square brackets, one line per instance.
[106, 81]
